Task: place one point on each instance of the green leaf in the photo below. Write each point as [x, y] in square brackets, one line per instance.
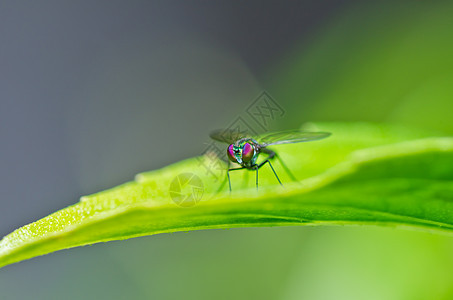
[363, 174]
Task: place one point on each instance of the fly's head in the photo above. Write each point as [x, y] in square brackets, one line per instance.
[243, 152]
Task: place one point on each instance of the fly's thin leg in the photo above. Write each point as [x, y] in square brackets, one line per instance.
[290, 174]
[271, 154]
[275, 173]
[267, 161]
[256, 168]
[228, 174]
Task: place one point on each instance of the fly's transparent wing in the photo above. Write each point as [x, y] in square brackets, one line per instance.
[228, 136]
[292, 136]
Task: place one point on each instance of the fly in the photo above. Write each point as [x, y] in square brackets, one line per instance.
[244, 150]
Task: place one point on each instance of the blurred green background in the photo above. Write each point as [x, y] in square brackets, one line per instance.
[93, 93]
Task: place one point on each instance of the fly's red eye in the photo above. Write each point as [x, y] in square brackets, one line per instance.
[230, 152]
[247, 152]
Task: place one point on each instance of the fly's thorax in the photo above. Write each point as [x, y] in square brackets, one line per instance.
[244, 152]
